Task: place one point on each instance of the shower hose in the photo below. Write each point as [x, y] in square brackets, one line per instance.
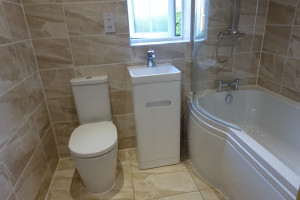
[220, 37]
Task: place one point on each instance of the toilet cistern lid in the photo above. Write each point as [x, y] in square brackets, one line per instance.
[93, 139]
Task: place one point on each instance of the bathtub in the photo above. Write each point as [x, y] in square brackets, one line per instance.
[246, 143]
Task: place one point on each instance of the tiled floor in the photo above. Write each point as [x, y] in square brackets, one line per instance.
[175, 182]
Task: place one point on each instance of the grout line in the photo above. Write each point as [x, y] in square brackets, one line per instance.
[131, 172]
[263, 39]
[69, 38]
[54, 123]
[14, 42]
[17, 84]
[76, 36]
[63, 2]
[45, 100]
[52, 179]
[52, 69]
[21, 125]
[10, 2]
[27, 165]
[287, 52]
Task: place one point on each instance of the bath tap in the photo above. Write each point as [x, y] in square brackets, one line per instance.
[151, 56]
[232, 84]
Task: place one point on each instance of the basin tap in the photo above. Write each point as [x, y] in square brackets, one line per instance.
[151, 56]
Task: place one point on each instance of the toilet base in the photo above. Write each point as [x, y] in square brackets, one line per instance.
[98, 173]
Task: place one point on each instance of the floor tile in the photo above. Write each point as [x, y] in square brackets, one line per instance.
[174, 182]
[211, 194]
[200, 182]
[160, 182]
[187, 196]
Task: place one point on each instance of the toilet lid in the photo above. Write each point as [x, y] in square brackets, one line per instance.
[93, 139]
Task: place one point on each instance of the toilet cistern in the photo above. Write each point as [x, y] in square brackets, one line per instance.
[151, 56]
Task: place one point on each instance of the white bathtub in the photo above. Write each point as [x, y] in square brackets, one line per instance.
[249, 148]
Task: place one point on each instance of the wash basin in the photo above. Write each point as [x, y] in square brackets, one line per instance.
[160, 73]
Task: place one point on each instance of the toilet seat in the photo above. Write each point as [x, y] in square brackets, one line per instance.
[93, 139]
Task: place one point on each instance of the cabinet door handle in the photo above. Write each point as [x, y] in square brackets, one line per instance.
[156, 104]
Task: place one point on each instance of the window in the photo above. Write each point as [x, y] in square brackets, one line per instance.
[201, 14]
[159, 21]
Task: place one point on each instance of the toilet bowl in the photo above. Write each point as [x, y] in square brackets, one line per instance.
[94, 144]
[94, 149]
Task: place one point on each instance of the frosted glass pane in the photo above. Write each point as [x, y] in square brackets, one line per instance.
[150, 16]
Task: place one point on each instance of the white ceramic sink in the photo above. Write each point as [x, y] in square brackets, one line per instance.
[160, 73]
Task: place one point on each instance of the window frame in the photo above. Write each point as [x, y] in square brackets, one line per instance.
[137, 39]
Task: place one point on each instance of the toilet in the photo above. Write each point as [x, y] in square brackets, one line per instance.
[94, 144]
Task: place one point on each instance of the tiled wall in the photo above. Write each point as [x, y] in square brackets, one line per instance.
[28, 152]
[244, 62]
[280, 65]
[69, 41]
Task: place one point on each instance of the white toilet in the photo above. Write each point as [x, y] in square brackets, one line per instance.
[94, 144]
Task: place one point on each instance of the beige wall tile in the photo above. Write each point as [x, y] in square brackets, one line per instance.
[270, 85]
[121, 17]
[127, 143]
[19, 150]
[244, 44]
[53, 53]
[281, 12]
[169, 51]
[26, 58]
[56, 82]
[258, 37]
[121, 102]
[246, 65]
[6, 186]
[294, 48]
[16, 20]
[219, 14]
[42, 120]
[102, 49]
[5, 36]
[10, 71]
[189, 49]
[290, 93]
[118, 74]
[280, 34]
[46, 20]
[125, 125]
[209, 69]
[62, 133]
[291, 77]
[62, 109]
[87, 18]
[35, 180]
[262, 11]
[297, 15]
[49, 146]
[34, 90]
[271, 67]
[52, 165]
[248, 12]
[15, 108]
[139, 53]
[12, 196]
[188, 71]
[40, 1]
